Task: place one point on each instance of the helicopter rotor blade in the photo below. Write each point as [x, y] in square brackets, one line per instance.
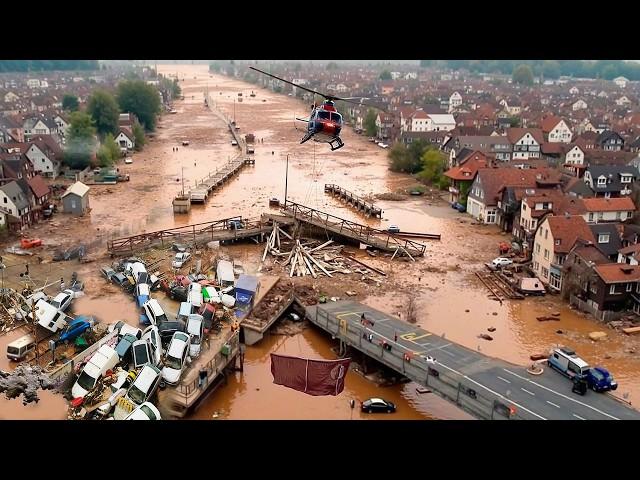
[352, 100]
[303, 119]
[290, 83]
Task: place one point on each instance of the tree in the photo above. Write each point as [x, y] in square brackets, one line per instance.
[70, 103]
[407, 159]
[108, 152]
[385, 75]
[137, 97]
[332, 66]
[370, 123]
[551, 68]
[433, 163]
[138, 133]
[523, 74]
[104, 110]
[81, 141]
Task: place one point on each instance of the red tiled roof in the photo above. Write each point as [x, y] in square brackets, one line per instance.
[495, 179]
[38, 186]
[515, 134]
[568, 230]
[601, 204]
[618, 272]
[635, 248]
[549, 123]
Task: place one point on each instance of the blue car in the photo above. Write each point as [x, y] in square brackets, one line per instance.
[76, 328]
[459, 207]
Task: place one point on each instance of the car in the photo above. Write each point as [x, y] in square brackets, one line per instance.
[167, 328]
[76, 328]
[124, 328]
[120, 279]
[153, 313]
[142, 294]
[141, 353]
[459, 207]
[123, 348]
[145, 385]
[179, 247]
[178, 294]
[501, 262]
[62, 301]
[152, 335]
[176, 358]
[194, 294]
[128, 160]
[195, 328]
[374, 405]
[234, 143]
[146, 411]
[105, 359]
[294, 317]
[180, 259]
[107, 272]
[393, 229]
[236, 225]
[49, 210]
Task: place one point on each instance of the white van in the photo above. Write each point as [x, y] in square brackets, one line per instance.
[194, 294]
[106, 358]
[18, 349]
[49, 317]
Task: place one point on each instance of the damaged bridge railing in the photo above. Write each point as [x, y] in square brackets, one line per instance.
[380, 239]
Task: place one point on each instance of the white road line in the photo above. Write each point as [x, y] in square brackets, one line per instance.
[491, 391]
[579, 417]
[551, 403]
[448, 353]
[504, 379]
[562, 395]
[525, 390]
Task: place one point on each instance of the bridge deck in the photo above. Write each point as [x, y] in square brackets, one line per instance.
[475, 382]
[351, 198]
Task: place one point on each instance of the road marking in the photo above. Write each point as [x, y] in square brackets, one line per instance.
[499, 395]
[448, 353]
[413, 336]
[525, 390]
[562, 395]
[551, 403]
[504, 379]
[579, 417]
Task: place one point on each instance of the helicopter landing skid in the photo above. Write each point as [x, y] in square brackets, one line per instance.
[336, 141]
[307, 137]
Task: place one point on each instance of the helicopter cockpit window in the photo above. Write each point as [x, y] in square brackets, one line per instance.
[336, 117]
[323, 115]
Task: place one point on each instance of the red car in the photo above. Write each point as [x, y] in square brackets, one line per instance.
[30, 242]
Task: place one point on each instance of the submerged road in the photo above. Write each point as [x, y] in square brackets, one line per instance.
[468, 378]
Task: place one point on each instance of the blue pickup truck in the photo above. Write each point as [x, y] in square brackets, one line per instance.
[569, 364]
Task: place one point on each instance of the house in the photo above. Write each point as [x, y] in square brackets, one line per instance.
[384, 124]
[13, 128]
[494, 145]
[125, 139]
[556, 130]
[486, 190]
[623, 100]
[526, 142]
[621, 82]
[579, 105]
[554, 239]
[14, 203]
[33, 83]
[512, 105]
[601, 209]
[608, 239]
[615, 288]
[574, 90]
[455, 100]
[610, 140]
[629, 254]
[41, 194]
[575, 156]
[462, 176]
[45, 155]
[76, 199]
[610, 180]
[62, 123]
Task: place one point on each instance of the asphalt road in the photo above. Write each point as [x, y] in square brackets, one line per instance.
[543, 397]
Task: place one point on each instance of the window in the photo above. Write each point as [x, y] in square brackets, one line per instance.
[602, 181]
[546, 233]
[603, 238]
[546, 254]
[593, 288]
[629, 287]
[537, 248]
[612, 290]
[545, 272]
[591, 217]
[600, 215]
[558, 241]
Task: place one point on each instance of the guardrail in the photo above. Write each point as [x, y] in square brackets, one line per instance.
[350, 197]
[467, 396]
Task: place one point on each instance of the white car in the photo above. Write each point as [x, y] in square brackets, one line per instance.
[128, 160]
[501, 262]
[153, 311]
[234, 143]
[62, 301]
[106, 358]
[152, 336]
[180, 259]
[194, 294]
[145, 385]
[176, 358]
[195, 328]
[146, 411]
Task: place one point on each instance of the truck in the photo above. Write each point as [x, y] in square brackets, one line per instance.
[567, 362]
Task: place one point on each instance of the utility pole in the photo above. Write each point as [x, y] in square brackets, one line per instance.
[286, 182]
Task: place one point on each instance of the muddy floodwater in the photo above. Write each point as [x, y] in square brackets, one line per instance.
[450, 300]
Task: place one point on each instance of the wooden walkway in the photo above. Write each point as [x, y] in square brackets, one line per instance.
[368, 208]
[216, 179]
[216, 230]
[380, 239]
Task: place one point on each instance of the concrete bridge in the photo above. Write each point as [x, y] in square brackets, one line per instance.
[487, 388]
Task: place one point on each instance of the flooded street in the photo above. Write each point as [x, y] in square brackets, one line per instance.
[450, 299]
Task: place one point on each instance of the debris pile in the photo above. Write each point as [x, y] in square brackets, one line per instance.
[25, 381]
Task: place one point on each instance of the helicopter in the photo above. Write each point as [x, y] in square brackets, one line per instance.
[324, 123]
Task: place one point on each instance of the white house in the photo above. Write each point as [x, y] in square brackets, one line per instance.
[41, 162]
[33, 83]
[603, 94]
[442, 122]
[574, 90]
[575, 156]
[526, 142]
[10, 97]
[455, 100]
[125, 139]
[62, 124]
[411, 76]
[557, 129]
[623, 100]
[621, 81]
[601, 209]
[579, 105]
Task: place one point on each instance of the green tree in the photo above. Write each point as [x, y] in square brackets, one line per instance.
[370, 123]
[108, 152]
[70, 103]
[137, 97]
[551, 68]
[385, 75]
[332, 66]
[407, 159]
[523, 74]
[433, 164]
[138, 133]
[81, 142]
[104, 110]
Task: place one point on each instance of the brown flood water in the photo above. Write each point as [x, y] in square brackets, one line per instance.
[443, 282]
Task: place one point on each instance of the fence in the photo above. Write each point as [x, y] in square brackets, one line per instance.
[602, 315]
[468, 396]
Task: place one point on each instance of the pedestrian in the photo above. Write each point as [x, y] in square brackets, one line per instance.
[202, 378]
[395, 337]
[61, 284]
[362, 319]
[419, 279]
